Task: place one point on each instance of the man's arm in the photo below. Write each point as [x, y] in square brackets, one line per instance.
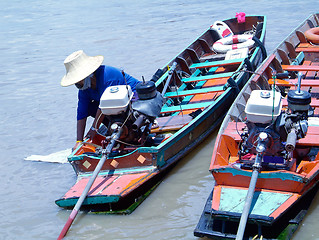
[80, 128]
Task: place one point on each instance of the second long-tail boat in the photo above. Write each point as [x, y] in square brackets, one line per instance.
[265, 161]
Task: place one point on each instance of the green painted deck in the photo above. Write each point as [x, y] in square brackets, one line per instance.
[264, 203]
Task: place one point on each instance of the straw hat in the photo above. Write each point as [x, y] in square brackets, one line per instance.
[78, 66]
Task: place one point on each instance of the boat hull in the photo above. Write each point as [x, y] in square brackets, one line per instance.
[284, 188]
[203, 99]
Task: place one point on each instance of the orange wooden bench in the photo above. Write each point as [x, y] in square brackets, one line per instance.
[307, 47]
[311, 138]
[300, 67]
[294, 82]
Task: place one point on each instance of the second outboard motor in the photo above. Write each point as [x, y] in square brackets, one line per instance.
[281, 128]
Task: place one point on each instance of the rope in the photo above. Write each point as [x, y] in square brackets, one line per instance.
[273, 98]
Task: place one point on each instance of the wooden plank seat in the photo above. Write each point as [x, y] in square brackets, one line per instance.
[311, 138]
[217, 63]
[171, 123]
[192, 106]
[307, 47]
[300, 67]
[308, 50]
[193, 92]
[207, 77]
[216, 82]
[294, 82]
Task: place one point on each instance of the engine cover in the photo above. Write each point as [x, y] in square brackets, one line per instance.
[263, 107]
[115, 99]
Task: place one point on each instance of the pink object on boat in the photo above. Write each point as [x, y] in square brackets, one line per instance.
[240, 17]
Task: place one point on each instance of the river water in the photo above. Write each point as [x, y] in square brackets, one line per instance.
[38, 115]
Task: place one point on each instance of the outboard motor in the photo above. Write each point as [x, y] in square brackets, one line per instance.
[134, 117]
[275, 130]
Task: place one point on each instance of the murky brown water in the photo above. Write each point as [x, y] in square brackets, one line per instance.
[38, 116]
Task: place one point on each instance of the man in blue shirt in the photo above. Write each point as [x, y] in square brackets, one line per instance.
[91, 78]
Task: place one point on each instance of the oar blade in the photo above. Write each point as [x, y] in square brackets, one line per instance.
[68, 224]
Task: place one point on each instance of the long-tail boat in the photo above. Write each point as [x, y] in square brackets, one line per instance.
[182, 103]
[265, 161]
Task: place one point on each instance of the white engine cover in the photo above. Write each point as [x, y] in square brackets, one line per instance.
[115, 99]
[262, 106]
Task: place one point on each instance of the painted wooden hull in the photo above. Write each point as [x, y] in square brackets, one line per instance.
[126, 178]
[284, 194]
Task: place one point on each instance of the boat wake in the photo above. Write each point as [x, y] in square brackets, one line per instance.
[57, 157]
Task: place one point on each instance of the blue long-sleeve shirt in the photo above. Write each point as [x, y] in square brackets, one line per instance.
[105, 76]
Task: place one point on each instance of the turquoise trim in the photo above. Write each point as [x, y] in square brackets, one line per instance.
[70, 202]
[275, 174]
[194, 91]
[207, 77]
[216, 63]
[186, 107]
[76, 158]
[161, 79]
[148, 150]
